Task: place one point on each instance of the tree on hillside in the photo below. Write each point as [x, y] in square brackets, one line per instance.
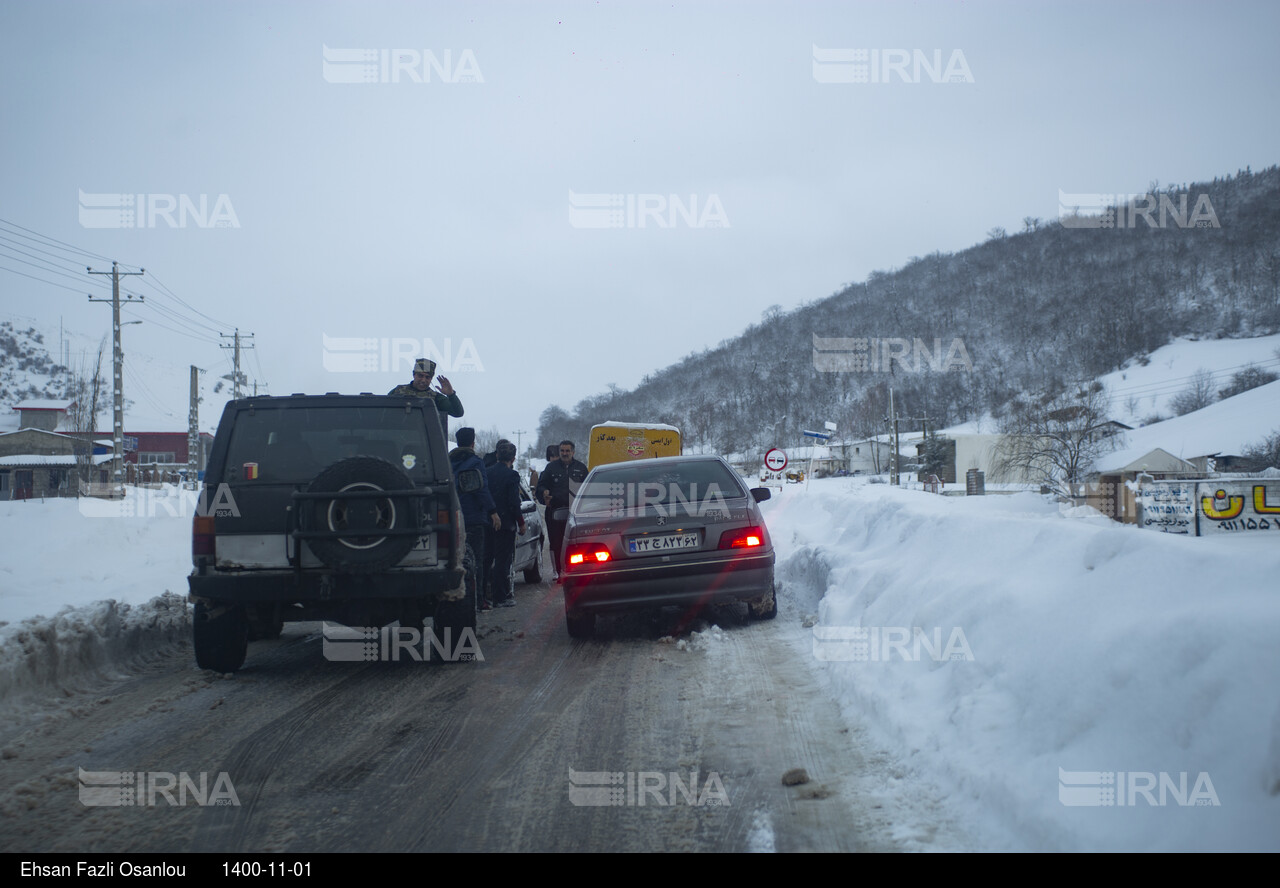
[1199, 394]
[1247, 377]
[1055, 439]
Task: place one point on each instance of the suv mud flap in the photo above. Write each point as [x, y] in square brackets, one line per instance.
[455, 594]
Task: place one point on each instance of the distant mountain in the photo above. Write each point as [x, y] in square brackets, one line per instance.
[957, 336]
[27, 372]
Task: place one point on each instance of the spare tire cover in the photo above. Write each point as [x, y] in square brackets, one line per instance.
[361, 518]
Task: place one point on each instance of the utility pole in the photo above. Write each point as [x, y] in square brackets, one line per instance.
[893, 443]
[117, 421]
[518, 433]
[193, 431]
[235, 382]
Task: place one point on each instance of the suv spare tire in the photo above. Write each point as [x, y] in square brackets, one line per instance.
[362, 517]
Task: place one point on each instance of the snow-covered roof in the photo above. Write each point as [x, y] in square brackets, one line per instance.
[1156, 460]
[43, 404]
[44, 459]
[40, 432]
[1229, 426]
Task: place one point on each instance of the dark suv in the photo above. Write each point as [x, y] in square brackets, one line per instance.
[327, 507]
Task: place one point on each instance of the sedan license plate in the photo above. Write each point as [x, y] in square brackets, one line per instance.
[658, 545]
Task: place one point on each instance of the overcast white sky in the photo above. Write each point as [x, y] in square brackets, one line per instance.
[441, 210]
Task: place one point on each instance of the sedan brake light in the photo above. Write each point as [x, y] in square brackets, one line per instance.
[742, 538]
[578, 554]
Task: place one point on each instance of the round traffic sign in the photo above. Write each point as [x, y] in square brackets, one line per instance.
[775, 460]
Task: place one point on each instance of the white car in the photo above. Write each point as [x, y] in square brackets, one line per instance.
[529, 544]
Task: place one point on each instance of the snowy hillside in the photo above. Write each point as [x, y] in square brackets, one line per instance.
[1145, 388]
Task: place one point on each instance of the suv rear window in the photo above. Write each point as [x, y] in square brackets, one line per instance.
[294, 444]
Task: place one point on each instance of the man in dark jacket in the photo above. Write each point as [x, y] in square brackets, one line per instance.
[478, 508]
[447, 402]
[504, 484]
[557, 486]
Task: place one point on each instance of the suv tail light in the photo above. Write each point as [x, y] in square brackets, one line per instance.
[442, 536]
[203, 540]
[742, 538]
[580, 554]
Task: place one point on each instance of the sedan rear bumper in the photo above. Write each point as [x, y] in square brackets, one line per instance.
[635, 585]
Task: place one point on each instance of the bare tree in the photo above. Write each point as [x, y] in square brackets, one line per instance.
[1200, 393]
[1055, 439]
[1249, 376]
[85, 389]
[1265, 454]
[487, 440]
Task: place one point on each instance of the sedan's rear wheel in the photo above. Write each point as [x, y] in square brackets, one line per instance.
[580, 625]
[765, 607]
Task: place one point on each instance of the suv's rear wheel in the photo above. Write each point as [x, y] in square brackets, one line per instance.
[220, 633]
[453, 618]
[361, 518]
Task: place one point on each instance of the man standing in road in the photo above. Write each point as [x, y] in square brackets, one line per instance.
[478, 509]
[447, 402]
[504, 484]
[557, 486]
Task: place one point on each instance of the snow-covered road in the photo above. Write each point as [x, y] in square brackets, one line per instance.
[1009, 676]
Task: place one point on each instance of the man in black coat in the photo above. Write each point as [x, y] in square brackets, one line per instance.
[500, 548]
[557, 486]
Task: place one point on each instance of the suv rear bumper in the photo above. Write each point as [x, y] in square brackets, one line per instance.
[312, 585]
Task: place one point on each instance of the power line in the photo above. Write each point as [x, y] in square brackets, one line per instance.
[52, 241]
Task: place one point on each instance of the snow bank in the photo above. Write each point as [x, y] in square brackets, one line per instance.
[90, 588]
[1079, 645]
[50, 657]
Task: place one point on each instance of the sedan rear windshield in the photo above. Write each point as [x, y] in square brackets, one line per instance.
[643, 482]
[295, 444]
